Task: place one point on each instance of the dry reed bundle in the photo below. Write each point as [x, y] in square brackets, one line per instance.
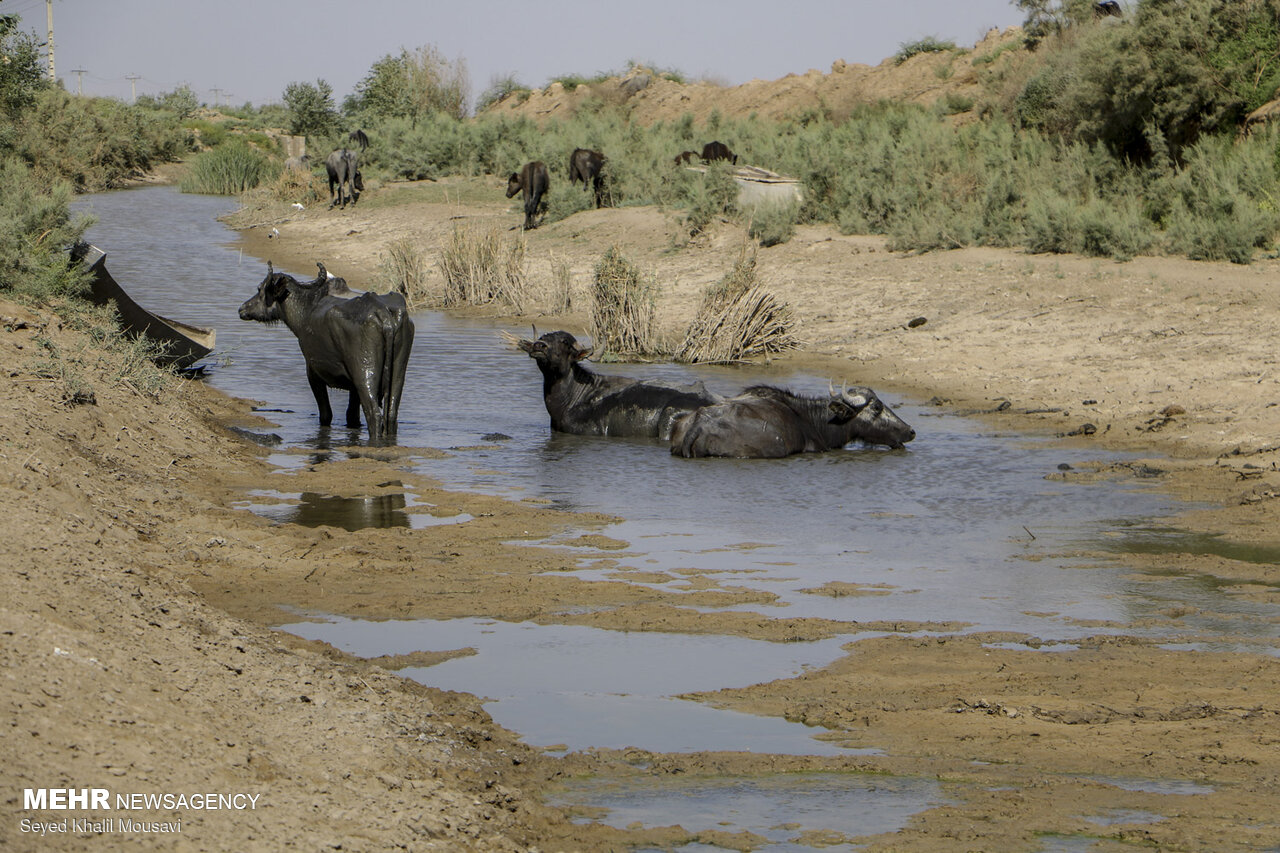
[404, 270]
[738, 320]
[622, 308]
[479, 268]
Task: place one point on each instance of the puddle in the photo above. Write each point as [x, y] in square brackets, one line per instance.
[577, 687]
[1142, 539]
[310, 509]
[794, 812]
[1112, 817]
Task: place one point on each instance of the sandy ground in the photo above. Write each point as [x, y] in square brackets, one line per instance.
[137, 605]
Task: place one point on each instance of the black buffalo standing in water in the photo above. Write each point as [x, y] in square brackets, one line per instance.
[357, 343]
[533, 181]
[585, 166]
[769, 422]
[586, 403]
[343, 168]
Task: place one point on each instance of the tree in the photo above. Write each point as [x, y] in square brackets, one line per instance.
[412, 85]
[311, 110]
[20, 72]
[181, 101]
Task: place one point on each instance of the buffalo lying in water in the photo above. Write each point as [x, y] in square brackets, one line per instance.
[586, 403]
[357, 343]
[769, 422]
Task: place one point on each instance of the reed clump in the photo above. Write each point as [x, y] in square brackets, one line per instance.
[622, 308]
[480, 267]
[738, 320]
[560, 299]
[403, 270]
[230, 169]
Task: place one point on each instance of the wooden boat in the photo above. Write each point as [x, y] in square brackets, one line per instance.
[181, 344]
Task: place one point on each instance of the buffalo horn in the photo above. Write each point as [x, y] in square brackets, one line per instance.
[855, 400]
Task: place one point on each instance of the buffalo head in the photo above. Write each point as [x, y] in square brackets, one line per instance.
[266, 306]
[867, 419]
[555, 352]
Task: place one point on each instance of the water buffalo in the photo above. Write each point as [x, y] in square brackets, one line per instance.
[769, 422]
[359, 137]
[1107, 8]
[343, 168]
[358, 343]
[298, 164]
[533, 181]
[585, 166]
[586, 403]
[717, 150]
[686, 157]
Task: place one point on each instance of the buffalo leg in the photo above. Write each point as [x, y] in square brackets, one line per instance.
[353, 410]
[321, 392]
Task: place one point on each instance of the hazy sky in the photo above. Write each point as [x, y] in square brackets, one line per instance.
[251, 49]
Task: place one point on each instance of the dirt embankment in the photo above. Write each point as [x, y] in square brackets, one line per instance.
[922, 79]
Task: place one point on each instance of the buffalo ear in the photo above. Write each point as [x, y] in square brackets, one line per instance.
[277, 289]
[841, 412]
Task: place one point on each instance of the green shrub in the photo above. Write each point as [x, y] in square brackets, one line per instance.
[36, 228]
[229, 169]
[773, 223]
[715, 196]
[565, 199]
[928, 44]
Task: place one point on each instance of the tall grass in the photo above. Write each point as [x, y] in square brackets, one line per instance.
[622, 309]
[480, 267]
[232, 168]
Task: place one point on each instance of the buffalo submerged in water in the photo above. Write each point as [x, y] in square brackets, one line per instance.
[582, 402]
[769, 422]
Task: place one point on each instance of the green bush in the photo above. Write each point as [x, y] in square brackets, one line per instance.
[773, 223]
[94, 143]
[928, 44]
[565, 199]
[229, 169]
[36, 228]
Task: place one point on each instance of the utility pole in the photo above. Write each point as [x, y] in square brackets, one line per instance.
[133, 86]
[216, 91]
[79, 72]
[49, 9]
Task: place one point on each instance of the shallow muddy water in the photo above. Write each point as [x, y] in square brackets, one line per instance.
[964, 525]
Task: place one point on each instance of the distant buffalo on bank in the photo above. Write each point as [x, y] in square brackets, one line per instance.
[717, 150]
[585, 166]
[532, 182]
[345, 181]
